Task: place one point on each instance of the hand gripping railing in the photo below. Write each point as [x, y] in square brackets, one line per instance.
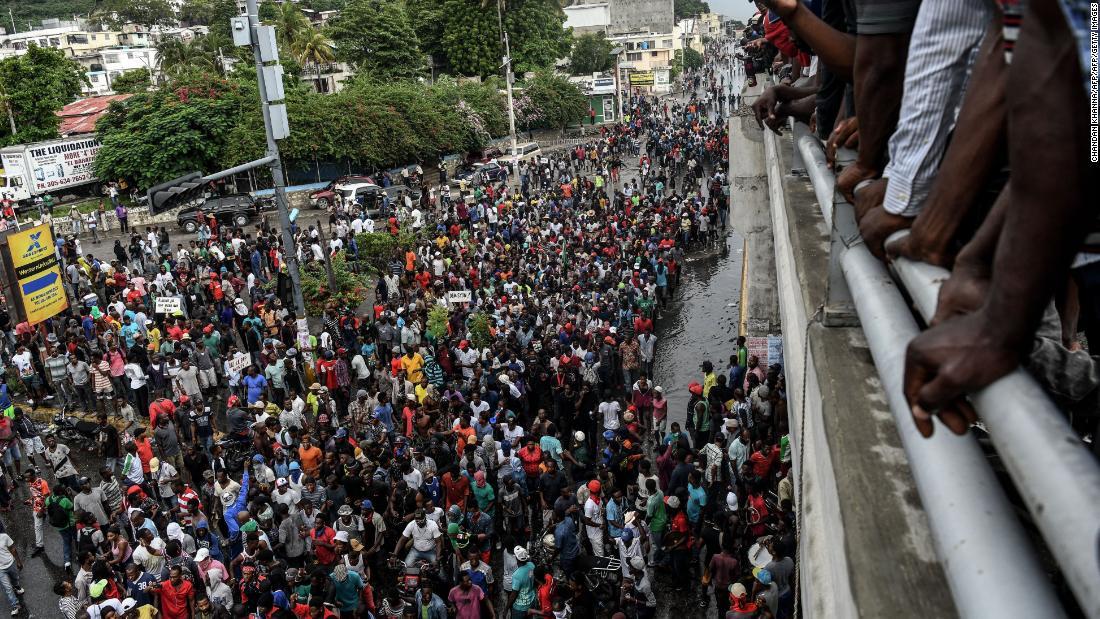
[988, 560]
[1056, 476]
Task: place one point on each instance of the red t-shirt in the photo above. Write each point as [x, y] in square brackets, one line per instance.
[174, 599]
[456, 488]
[325, 556]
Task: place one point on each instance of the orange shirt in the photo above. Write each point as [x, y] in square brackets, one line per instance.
[464, 435]
[145, 453]
[311, 459]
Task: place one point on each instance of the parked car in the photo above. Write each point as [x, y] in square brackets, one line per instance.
[396, 191]
[233, 210]
[491, 171]
[323, 198]
[525, 151]
[483, 155]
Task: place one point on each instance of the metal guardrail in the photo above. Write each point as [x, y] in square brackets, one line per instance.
[987, 558]
[1058, 479]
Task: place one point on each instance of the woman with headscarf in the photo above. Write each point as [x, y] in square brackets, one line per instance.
[218, 592]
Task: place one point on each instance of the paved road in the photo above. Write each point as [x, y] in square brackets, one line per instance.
[709, 282]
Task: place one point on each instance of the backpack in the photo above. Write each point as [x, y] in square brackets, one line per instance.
[85, 540]
[56, 514]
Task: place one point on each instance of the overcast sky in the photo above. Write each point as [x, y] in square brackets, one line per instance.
[737, 9]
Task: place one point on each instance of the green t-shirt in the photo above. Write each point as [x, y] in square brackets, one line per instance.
[655, 512]
[523, 583]
[347, 592]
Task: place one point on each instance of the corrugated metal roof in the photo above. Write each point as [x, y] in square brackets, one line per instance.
[80, 116]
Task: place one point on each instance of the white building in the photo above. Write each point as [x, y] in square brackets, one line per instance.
[104, 65]
[584, 18]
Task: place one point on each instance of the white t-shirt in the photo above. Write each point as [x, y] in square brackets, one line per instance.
[477, 408]
[593, 512]
[610, 413]
[6, 558]
[23, 362]
[423, 539]
[513, 434]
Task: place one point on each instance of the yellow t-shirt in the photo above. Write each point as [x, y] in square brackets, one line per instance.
[709, 381]
[413, 367]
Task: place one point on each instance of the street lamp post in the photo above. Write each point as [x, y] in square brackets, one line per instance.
[618, 53]
[289, 251]
[508, 77]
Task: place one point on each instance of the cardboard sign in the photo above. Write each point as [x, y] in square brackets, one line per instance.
[240, 363]
[168, 305]
[459, 296]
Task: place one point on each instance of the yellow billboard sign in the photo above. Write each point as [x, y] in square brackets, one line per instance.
[644, 78]
[38, 273]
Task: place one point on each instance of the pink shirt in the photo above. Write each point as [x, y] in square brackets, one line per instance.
[467, 603]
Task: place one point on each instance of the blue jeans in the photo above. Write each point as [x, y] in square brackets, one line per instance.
[9, 581]
[68, 540]
[660, 557]
[415, 555]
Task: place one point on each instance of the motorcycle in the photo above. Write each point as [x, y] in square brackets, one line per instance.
[76, 433]
[237, 453]
[409, 577]
[601, 575]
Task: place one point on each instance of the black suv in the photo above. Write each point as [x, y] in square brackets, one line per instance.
[234, 210]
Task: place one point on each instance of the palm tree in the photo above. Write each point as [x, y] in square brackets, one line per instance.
[291, 25]
[314, 47]
[174, 55]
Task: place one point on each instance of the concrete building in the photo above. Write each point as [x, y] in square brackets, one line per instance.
[327, 78]
[620, 16]
[105, 65]
[588, 17]
[66, 36]
[710, 25]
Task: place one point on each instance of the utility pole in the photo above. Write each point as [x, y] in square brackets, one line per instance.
[508, 77]
[290, 254]
[12, 18]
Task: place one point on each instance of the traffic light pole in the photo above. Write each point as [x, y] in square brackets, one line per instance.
[290, 253]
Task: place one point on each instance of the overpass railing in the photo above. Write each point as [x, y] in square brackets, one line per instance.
[988, 559]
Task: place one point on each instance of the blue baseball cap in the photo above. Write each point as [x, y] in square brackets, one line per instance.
[366, 504]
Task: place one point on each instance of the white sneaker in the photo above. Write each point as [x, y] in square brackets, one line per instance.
[19, 590]
[15, 611]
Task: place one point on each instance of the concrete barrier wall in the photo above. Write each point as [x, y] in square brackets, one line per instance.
[865, 549]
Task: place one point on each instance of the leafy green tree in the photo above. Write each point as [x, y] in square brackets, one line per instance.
[291, 25]
[177, 56]
[687, 8]
[591, 54]
[377, 38]
[30, 12]
[315, 49]
[115, 13]
[132, 81]
[558, 101]
[33, 87]
[183, 127]
[471, 38]
[691, 60]
[428, 18]
[215, 14]
[537, 34]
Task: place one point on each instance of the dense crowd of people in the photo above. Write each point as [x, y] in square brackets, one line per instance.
[506, 456]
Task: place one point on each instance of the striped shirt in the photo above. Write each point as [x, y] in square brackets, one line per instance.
[944, 38]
